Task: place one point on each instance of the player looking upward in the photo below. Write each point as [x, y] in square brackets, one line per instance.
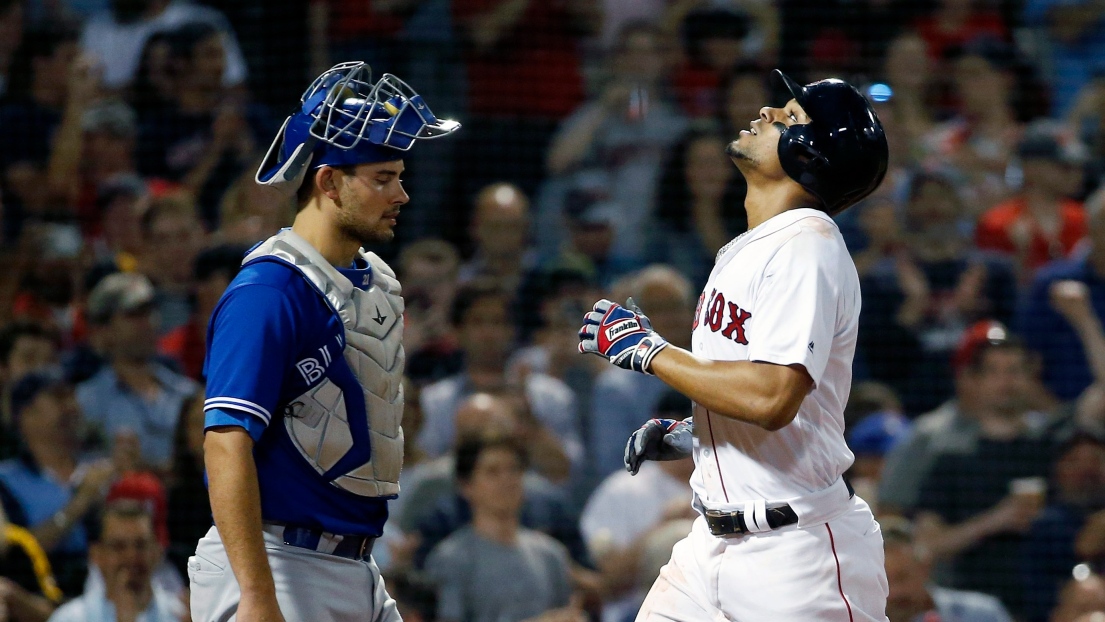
[780, 535]
[303, 443]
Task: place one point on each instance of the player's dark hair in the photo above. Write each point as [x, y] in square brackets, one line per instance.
[224, 259]
[12, 333]
[307, 186]
[471, 448]
[472, 293]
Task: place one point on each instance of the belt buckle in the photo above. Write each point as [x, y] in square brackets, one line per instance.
[732, 517]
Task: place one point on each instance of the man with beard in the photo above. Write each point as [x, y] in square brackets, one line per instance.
[310, 332]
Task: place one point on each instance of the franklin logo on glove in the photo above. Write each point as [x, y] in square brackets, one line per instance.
[613, 331]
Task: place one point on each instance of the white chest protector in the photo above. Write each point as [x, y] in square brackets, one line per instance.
[373, 320]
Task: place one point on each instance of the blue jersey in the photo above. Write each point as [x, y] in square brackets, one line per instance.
[271, 338]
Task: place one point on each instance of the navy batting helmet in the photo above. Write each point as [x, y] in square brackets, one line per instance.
[840, 156]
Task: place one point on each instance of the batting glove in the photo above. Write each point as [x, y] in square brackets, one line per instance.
[659, 439]
[623, 335]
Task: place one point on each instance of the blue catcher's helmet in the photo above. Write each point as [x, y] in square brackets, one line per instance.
[841, 154]
[346, 119]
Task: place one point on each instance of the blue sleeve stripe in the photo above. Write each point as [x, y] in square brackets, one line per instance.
[234, 403]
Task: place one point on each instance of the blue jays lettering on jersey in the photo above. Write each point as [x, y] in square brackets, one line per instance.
[278, 338]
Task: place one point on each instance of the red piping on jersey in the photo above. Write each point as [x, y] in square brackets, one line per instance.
[839, 585]
[720, 477]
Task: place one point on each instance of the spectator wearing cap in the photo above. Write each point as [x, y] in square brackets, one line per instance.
[977, 501]
[1042, 222]
[133, 395]
[1071, 527]
[992, 373]
[212, 271]
[25, 348]
[147, 492]
[1063, 304]
[914, 597]
[53, 487]
[871, 439]
[125, 551]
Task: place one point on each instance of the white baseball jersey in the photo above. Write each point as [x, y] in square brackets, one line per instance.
[785, 292]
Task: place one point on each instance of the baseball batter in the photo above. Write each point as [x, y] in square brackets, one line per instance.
[303, 441]
[780, 535]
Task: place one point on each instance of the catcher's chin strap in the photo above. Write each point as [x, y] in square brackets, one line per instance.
[25, 540]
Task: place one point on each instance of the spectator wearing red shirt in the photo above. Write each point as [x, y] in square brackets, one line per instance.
[1041, 223]
[523, 68]
[213, 270]
[955, 23]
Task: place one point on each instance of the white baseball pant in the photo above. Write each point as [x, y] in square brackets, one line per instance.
[309, 585]
[829, 571]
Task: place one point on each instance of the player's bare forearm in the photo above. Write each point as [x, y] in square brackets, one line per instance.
[236, 506]
[762, 394]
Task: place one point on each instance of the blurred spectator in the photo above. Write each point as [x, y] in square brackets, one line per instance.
[908, 70]
[206, 135]
[367, 30]
[585, 232]
[53, 487]
[126, 552]
[1082, 599]
[133, 394]
[500, 234]
[172, 239]
[1053, 323]
[495, 569]
[212, 271]
[121, 202]
[976, 506]
[481, 315]
[975, 146]
[923, 293]
[1043, 222]
[415, 595]
[429, 270]
[700, 204]
[522, 62]
[188, 503]
[1072, 526]
[25, 348]
[146, 490]
[955, 23]
[870, 440]
[37, 97]
[116, 37]
[250, 212]
[623, 133]
[624, 509]
[713, 42]
[1075, 37]
[433, 508]
[11, 37]
[984, 390]
[620, 397]
[915, 598]
[743, 94]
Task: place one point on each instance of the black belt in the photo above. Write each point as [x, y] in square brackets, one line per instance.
[732, 523]
[347, 546]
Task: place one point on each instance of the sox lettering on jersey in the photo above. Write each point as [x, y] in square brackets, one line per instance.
[731, 325]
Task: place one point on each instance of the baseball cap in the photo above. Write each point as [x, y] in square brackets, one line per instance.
[146, 489]
[878, 433]
[1049, 140]
[34, 384]
[112, 117]
[981, 333]
[121, 292]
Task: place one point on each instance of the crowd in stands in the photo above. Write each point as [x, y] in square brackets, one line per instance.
[590, 164]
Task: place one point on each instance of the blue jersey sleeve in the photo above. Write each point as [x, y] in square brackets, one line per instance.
[251, 343]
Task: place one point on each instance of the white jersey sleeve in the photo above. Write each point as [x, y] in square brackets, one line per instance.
[796, 306]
